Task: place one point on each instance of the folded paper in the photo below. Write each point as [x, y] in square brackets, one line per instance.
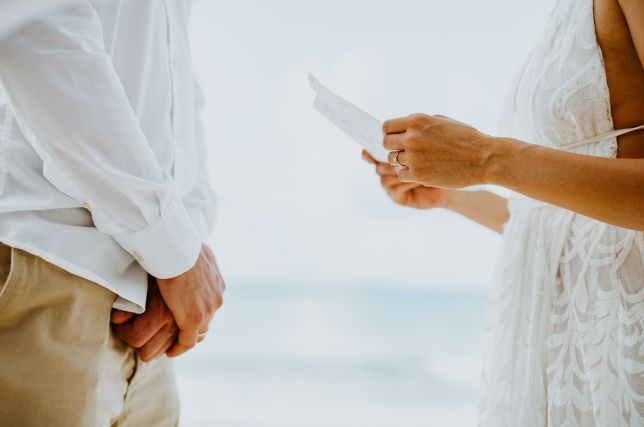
[358, 124]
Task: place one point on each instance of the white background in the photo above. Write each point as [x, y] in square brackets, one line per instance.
[297, 204]
[315, 330]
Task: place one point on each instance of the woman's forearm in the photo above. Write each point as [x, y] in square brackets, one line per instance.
[436, 151]
[483, 207]
[607, 189]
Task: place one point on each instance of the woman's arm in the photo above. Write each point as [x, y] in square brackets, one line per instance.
[441, 152]
[610, 190]
[445, 153]
[483, 207]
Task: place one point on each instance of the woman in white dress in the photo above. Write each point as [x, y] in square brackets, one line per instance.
[565, 344]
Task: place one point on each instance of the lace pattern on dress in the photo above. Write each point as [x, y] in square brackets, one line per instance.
[565, 321]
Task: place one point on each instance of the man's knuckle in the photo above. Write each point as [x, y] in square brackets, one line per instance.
[213, 306]
[140, 334]
[136, 341]
[168, 329]
[195, 317]
[186, 340]
[145, 355]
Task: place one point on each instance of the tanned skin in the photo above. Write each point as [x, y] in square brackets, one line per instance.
[442, 155]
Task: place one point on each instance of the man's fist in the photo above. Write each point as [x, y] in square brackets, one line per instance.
[152, 333]
[193, 297]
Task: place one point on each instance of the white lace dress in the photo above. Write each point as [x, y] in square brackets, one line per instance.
[565, 344]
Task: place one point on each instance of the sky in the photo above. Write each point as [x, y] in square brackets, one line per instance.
[297, 205]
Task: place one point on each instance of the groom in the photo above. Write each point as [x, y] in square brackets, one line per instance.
[104, 203]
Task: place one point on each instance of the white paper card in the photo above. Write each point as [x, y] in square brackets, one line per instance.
[358, 124]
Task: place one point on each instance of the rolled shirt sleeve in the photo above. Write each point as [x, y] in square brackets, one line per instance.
[71, 106]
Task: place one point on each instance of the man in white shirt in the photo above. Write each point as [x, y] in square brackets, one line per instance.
[103, 189]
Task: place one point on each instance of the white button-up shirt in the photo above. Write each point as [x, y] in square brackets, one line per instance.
[102, 159]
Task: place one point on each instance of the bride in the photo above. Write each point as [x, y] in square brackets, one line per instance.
[565, 322]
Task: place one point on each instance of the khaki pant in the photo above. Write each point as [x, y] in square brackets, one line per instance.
[60, 364]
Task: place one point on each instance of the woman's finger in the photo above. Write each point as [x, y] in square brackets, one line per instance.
[398, 125]
[405, 175]
[367, 157]
[402, 188]
[393, 141]
[384, 169]
[389, 181]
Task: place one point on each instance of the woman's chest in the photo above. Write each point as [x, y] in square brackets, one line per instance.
[562, 95]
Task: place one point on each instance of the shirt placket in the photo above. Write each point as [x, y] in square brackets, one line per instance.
[170, 40]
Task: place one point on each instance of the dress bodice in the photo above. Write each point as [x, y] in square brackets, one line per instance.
[561, 95]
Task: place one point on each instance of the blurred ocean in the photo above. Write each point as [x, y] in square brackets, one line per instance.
[334, 358]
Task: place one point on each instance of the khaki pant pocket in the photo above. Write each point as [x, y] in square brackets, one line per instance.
[7, 267]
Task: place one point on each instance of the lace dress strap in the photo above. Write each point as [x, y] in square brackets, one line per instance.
[603, 137]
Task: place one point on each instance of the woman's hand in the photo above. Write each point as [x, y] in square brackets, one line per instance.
[484, 207]
[437, 151]
[404, 193]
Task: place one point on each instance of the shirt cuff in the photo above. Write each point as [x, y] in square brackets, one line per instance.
[168, 247]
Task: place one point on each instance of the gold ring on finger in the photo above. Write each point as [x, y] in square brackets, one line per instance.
[396, 162]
